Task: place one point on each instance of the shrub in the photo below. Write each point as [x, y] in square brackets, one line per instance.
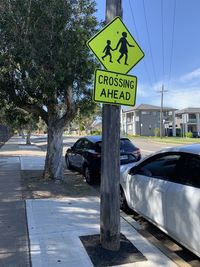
[96, 132]
[189, 135]
[157, 132]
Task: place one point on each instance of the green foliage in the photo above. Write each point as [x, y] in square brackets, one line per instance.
[82, 128]
[19, 119]
[96, 132]
[45, 65]
[87, 114]
[157, 132]
[189, 134]
[44, 59]
[41, 126]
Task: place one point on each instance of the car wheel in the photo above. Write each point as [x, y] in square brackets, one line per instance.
[123, 203]
[69, 166]
[88, 175]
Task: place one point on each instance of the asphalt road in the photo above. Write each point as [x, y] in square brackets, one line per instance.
[146, 146]
[149, 146]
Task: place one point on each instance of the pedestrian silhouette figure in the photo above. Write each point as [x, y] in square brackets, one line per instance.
[123, 48]
[107, 50]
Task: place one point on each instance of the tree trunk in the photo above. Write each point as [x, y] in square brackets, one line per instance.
[21, 133]
[56, 123]
[28, 137]
[54, 157]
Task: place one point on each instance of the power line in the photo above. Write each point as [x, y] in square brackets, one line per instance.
[163, 46]
[153, 65]
[137, 36]
[163, 55]
[172, 46]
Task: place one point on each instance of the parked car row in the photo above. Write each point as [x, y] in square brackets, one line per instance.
[165, 189]
[85, 156]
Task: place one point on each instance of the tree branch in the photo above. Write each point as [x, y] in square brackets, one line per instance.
[21, 103]
[34, 109]
[70, 113]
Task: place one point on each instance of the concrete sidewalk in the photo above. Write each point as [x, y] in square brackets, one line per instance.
[54, 225]
[14, 250]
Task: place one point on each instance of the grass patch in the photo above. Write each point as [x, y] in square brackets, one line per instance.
[166, 140]
[176, 140]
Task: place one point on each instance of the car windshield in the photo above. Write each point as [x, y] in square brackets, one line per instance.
[125, 145]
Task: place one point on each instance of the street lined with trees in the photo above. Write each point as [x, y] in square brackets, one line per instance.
[46, 68]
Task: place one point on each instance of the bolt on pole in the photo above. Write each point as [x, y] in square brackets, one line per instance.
[110, 165]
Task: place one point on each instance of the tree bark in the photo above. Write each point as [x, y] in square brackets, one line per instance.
[54, 157]
[21, 133]
[28, 137]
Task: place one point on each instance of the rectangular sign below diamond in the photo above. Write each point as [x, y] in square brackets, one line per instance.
[114, 88]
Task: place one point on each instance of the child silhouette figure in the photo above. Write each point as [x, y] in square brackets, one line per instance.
[123, 48]
[107, 50]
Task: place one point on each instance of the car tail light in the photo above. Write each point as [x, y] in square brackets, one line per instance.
[137, 152]
[96, 156]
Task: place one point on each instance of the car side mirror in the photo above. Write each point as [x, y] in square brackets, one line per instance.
[133, 170]
[71, 148]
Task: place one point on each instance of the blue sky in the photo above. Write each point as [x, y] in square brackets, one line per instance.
[168, 33]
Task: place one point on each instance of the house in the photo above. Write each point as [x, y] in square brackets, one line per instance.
[188, 120]
[145, 120]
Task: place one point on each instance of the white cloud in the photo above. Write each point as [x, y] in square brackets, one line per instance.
[183, 98]
[183, 92]
[142, 90]
[191, 76]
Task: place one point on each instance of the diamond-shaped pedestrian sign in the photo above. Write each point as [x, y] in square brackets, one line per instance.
[115, 47]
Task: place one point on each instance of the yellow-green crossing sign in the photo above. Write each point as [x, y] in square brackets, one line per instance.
[115, 47]
[114, 88]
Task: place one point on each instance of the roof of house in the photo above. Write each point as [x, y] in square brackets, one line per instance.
[188, 110]
[149, 107]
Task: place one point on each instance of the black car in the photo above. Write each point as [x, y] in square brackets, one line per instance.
[196, 134]
[85, 156]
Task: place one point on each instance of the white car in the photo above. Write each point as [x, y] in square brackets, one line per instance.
[165, 189]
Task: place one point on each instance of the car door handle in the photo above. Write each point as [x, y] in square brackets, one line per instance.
[160, 190]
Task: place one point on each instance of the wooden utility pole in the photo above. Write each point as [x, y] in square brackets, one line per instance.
[161, 111]
[110, 165]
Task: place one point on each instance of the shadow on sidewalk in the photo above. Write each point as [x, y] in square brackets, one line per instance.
[73, 185]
